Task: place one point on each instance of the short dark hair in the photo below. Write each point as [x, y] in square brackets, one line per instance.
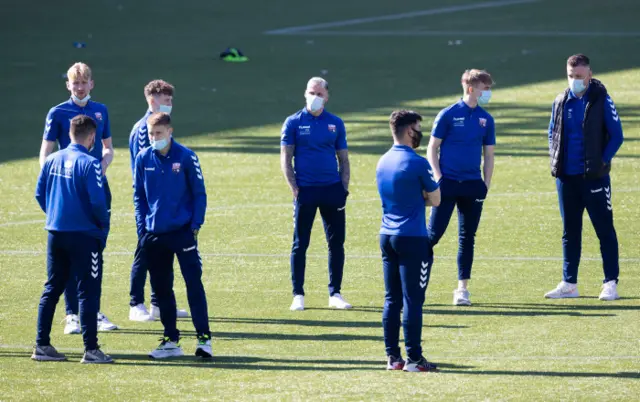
[158, 87]
[401, 119]
[159, 119]
[81, 127]
[578, 60]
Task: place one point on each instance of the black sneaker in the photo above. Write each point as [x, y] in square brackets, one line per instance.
[395, 363]
[419, 366]
[47, 354]
[95, 356]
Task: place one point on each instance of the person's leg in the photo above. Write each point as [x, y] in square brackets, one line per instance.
[469, 212]
[441, 215]
[186, 248]
[138, 278]
[598, 202]
[392, 297]
[71, 296]
[334, 221]
[303, 215]
[415, 261]
[571, 210]
[86, 265]
[157, 251]
[58, 272]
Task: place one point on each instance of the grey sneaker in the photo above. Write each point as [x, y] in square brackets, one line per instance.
[95, 356]
[47, 354]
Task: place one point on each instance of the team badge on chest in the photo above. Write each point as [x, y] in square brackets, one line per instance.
[332, 128]
[175, 168]
[98, 116]
[483, 122]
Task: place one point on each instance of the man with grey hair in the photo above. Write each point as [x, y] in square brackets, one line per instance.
[311, 139]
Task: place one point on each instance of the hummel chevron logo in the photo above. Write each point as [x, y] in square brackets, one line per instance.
[199, 176]
[424, 274]
[195, 158]
[189, 248]
[607, 193]
[94, 255]
[479, 199]
[196, 164]
[596, 190]
[94, 265]
[94, 262]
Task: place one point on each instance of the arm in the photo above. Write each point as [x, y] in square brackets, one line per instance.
[46, 149]
[431, 199]
[488, 150]
[196, 186]
[97, 198]
[614, 128]
[430, 188]
[286, 164]
[345, 168]
[433, 157]
[107, 154]
[551, 125]
[41, 188]
[140, 205]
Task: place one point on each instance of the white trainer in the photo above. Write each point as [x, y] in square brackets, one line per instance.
[461, 297]
[155, 313]
[564, 290]
[609, 291]
[167, 349]
[338, 302]
[139, 313]
[104, 324]
[72, 325]
[203, 348]
[298, 303]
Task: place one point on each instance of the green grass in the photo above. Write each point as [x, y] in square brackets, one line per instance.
[511, 345]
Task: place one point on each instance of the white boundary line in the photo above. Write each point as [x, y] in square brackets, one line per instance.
[304, 359]
[373, 256]
[392, 17]
[452, 34]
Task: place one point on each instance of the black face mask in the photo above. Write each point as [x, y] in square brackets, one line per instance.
[415, 139]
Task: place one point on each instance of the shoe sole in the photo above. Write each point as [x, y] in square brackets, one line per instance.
[83, 361]
[165, 357]
[341, 307]
[412, 370]
[48, 359]
[562, 297]
[391, 368]
[144, 319]
[203, 354]
[462, 303]
[608, 299]
[297, 309]
[108, 329]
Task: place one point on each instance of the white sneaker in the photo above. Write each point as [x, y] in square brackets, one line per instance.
[204, 347]
[298, 303]
[166, 349]
[564, 290]
[72, 325]
[461, 297]
[139, 313]
[155, 313]
[338, 302]
[609, 291]
[104, 324]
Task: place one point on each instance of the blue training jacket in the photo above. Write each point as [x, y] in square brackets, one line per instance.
[70, 192]
[169, 190]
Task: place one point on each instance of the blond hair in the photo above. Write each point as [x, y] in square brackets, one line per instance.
[471, 78]
[79, 70]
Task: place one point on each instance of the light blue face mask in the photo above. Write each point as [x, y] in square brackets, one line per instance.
[484, 98]
[577, 86]
[159, 145]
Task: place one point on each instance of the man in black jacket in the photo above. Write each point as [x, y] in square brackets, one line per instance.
[584, 135]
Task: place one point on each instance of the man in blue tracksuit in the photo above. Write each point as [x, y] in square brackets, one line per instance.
[312, 139]
[405, 185]
[159, 97]
[70, 191]
[170, 203]
[585, 133]
[463, 133]
[58, 121]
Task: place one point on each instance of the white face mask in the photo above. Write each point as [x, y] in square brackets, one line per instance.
[78, 100]
[314, 103]
[159, 144]
[577, 86]
[164, 109]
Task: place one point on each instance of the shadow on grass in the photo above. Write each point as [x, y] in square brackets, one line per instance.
[531, 373]
[259, 335]
[314, 323]
[471, 310]
[550, 306]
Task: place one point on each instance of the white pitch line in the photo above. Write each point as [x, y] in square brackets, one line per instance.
[392, 17]
[305, 359]
[19, 223]
[373, 256]
[527, 34]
